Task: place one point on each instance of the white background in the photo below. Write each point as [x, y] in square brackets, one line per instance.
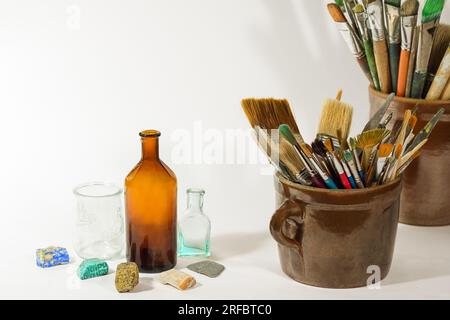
[74, 99]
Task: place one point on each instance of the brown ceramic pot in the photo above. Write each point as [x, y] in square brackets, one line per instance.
[329, 238]
[425, 199]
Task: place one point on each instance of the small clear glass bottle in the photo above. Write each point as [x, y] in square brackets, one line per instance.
[194, 229]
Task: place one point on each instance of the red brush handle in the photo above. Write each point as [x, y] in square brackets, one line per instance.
[345, 181]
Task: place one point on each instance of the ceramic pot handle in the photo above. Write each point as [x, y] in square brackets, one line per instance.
[289, 209]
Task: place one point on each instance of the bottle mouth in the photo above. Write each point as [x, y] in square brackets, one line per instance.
[150, 134]
[196, 190]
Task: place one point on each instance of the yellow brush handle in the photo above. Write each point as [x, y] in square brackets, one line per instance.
[380, 51]
[441, 78]
[446, 92]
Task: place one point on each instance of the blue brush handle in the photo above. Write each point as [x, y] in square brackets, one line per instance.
[330, 184]
[352, 182]
[362, 175]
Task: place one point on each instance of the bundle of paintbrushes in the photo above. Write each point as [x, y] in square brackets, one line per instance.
[396, 53]
[333, 160]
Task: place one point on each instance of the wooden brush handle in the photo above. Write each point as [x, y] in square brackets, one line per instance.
[446, 92]
[441, 78]
[403, 72]
[365, 68]
[394, 56]
[382, 60]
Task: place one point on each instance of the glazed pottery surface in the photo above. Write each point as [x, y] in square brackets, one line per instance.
[425, 199]
[333, 238]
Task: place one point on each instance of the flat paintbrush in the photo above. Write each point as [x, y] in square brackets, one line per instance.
[351, 38]
[376, 23]
[392, 10]
[431, 15]
[335, 120]
[408, 12]
[315, 178]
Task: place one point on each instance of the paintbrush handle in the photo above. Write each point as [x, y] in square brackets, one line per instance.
[368, 48]
[418, 84]
[362, 61]
[441, 78]
[446, 93]
[394, 57]
[382, 60]
[403, 72]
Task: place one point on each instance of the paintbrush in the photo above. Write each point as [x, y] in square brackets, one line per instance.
[405, 158]
[324, 175]
[392, 11]
[391, 173]
[376, 23]
[412, 63]
[402, 134]
[316, 180]
[405, 165]
[271, 148]
[348, 157]
[446, 92]
[341, 174]
[431, 15]
[426, 131]
[361, 19]
[335, 120]
[350, 15]
[354, 149]
[367, 141]
[294, 165]
[440, 46]
[269, 114]
[408, 12]
[384, 151]
[350, 37]
[377, 118]
[442, 75]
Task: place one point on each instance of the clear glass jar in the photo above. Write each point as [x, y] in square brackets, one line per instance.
[194, 229]
[99, 225]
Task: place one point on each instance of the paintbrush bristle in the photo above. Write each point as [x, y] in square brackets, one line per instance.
[432, 10]
[395, 3]
[440, 46]
[412, 122]
[336, 119]
[328, 144]
[385, 150]
[409, 8]
[359, 8]
[336, 13]
[306, 150]
[398, 151]
[370, 138]
[269, 113]
[290, 157]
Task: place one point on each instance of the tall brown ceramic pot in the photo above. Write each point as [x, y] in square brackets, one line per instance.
[425, 199]
[335, 238]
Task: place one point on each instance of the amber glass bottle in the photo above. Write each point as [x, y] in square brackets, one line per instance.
[151, 210]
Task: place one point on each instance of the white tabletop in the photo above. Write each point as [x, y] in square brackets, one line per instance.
[420, 269]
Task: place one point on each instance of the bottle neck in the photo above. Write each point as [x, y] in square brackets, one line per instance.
[150, 148]
[195, 201]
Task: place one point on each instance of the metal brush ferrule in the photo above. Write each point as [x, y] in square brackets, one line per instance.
[393, 23]
[408, 24]
[426, 38]
[351, 39]
[361, 19]
[376, 20]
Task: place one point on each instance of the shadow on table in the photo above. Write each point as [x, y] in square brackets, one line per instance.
[420, 253]
[235, 244]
